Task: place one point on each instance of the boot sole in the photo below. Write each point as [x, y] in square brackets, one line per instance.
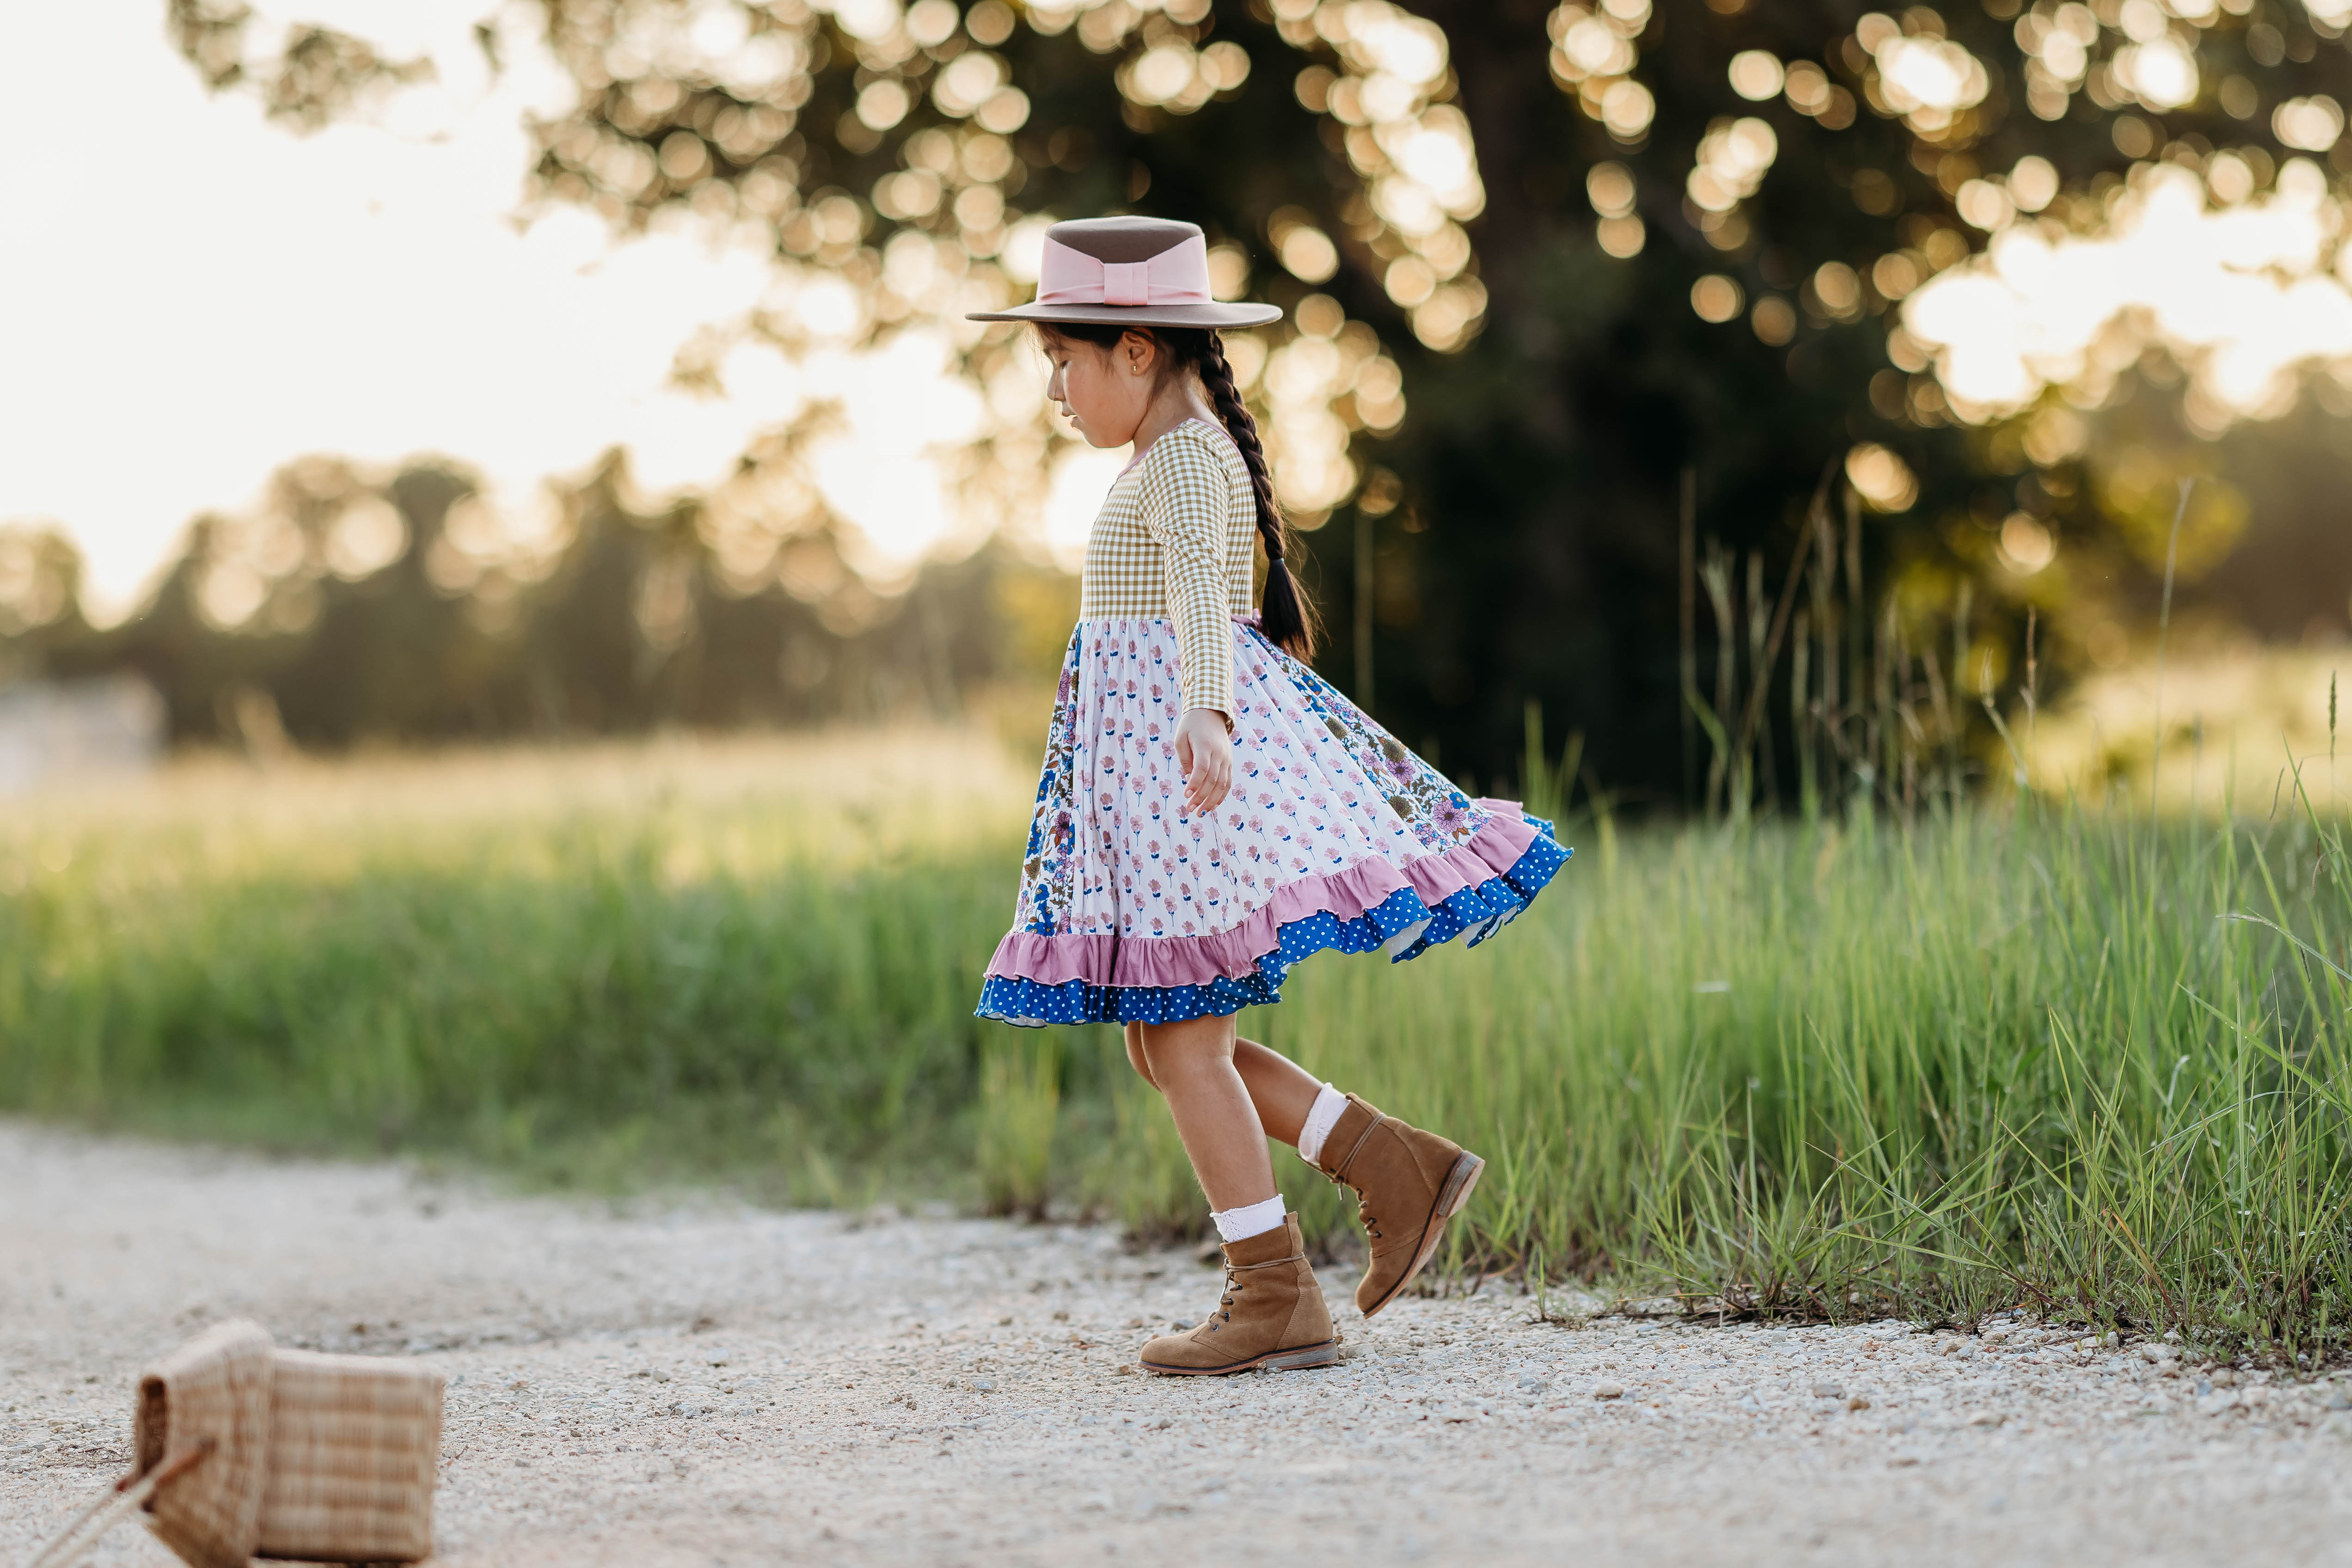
[1451, 1196]
[1296, 1359]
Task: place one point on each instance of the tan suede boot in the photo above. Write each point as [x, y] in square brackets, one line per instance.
[1408, 1184]
[1272, 1315]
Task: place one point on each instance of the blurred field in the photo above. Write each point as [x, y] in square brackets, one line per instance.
[2236, 716]
[1831, 1069]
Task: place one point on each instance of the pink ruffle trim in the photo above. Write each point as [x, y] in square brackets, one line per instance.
[1166, 961]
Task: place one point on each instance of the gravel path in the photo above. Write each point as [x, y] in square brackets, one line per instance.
[707, 1383]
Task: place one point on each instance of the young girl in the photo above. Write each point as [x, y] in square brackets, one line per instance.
[1211, 812]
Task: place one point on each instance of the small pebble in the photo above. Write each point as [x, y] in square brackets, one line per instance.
[1828, 1391]
[1858, 1402]
[1608, 1391]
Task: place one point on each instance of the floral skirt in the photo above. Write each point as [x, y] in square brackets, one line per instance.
[1333, 836]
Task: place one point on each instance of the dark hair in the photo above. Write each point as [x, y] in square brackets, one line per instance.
[1285, 614]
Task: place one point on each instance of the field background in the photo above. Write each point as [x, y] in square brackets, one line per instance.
[2023, 1052]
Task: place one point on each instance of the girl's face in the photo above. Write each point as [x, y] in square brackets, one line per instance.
[1103, 391]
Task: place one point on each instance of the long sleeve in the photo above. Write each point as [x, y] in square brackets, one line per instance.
[1184, 497]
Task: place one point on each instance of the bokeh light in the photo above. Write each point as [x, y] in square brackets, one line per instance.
[1610, 187]
[1837, 288]
[2160, 73]
[1414, 152]
[1593, 51]
[1732, 159]
[1327, 381]
[2033, 183]
[1774, 320]
[2314, 124]
[1926, 78]
[1305, 251]
[1716, 297]
[2244, 293]
[2026, 546]
[1756, 75]
[1883, 481]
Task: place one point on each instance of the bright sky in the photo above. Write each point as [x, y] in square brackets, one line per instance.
[198, 296]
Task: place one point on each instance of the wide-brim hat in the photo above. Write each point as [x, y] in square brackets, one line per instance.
[1128, 272]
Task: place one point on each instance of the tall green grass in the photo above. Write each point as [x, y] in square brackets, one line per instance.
[2026, 1055]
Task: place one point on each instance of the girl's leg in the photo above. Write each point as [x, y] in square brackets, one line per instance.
[1281, 1089]
[1227, 1094]
[1135, 1056]
[1272, 1312]
[1192, 1063]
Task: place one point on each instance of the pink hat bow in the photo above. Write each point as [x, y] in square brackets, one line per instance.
[1177, 276]
[1169, 288]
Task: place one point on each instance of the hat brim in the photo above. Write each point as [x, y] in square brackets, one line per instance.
[1210, 315]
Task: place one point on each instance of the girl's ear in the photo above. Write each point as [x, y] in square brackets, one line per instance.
[1141, 350]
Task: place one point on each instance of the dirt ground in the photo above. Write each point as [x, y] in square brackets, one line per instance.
[707, 1383]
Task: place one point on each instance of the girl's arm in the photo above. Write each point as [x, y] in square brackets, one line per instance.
[1184, 497]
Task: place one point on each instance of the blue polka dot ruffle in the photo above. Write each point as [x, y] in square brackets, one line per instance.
[1402, 924]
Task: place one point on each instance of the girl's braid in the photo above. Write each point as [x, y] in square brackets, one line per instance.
[1285, 615]
[1217, 376]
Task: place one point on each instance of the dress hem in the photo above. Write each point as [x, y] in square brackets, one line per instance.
[1036, 978]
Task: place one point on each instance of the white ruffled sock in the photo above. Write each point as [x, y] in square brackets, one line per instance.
[1320, 1118]
[1250, 1219]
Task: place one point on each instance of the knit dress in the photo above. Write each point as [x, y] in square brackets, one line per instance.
[1333, 836]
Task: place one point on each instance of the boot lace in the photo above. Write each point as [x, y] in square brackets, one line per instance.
[1224, 1314]
[1364, 1215]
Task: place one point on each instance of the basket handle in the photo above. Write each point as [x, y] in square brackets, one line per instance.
[107, 1508]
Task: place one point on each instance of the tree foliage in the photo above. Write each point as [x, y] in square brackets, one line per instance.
[1514, 215]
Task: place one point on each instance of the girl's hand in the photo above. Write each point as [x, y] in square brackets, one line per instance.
[1206, 753]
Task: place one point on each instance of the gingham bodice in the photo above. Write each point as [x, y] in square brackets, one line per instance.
[1177, 538]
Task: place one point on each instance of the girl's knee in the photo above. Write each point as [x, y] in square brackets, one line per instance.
[1136, 1057]
[1164, 1053]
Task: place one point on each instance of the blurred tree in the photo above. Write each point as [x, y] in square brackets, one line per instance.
[40, 598]
[352, 606]
[1599, 247]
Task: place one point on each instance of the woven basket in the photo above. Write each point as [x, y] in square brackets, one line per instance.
[215, 1387]
[355, 1442]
